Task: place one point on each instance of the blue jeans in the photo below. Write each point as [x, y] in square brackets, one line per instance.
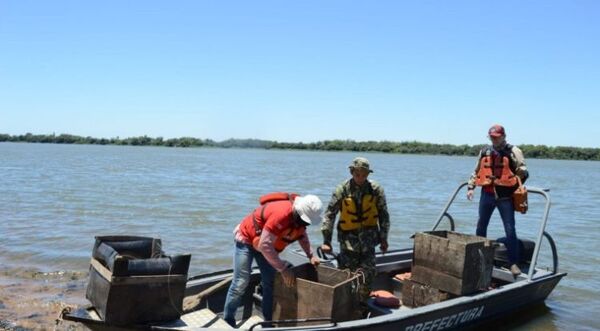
[242, 268]
[487, 204]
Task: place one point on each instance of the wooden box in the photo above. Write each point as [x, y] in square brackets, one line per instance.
[453, 262]
[417, 295]
[319, 292]
[132, 281]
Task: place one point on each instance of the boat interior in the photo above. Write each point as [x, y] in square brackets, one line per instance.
[212, 290]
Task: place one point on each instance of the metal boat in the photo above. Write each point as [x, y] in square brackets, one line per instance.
[509, 294]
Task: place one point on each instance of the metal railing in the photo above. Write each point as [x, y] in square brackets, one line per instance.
[541, 233]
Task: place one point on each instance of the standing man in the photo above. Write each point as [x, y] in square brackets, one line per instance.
[364, 222]
[496, 172]
[281, 219]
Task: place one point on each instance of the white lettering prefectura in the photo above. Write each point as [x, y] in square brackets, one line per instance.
[448, 322]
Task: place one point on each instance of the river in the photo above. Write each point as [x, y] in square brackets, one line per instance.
[55, 198]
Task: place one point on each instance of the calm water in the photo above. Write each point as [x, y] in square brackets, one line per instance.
[55, 198]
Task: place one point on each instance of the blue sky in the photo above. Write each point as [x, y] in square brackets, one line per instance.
[433, 71]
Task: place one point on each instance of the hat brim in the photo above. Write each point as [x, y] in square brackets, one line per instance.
[305, 219]
[496, 135]
[353, 167]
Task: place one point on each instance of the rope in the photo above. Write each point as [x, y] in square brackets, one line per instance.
[359, 278]
[180, 311]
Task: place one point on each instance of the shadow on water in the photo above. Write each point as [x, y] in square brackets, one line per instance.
[536, 317]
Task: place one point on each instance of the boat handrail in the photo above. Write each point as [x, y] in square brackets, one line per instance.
[542, 232]
[538, 242]
[447, 206]
[554, 255]
[451, 220]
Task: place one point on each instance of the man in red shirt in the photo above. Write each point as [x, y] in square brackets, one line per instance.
[280, 220]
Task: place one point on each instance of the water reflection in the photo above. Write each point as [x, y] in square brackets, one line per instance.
[536, 317]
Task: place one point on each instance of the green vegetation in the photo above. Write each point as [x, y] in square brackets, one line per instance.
[407, 147]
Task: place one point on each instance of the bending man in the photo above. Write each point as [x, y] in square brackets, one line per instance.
[280, 220]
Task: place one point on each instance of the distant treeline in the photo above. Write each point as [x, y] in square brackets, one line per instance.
[407, 147]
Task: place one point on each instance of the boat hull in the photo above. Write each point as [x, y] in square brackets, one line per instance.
[453, 314]
[464, 311]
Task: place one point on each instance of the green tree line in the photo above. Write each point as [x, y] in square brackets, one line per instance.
[405, 147]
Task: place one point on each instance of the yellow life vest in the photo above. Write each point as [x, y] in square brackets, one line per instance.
[351, 218]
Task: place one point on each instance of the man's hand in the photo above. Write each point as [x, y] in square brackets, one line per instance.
[315, 261]
[383, 246]
[326, 248]
[288, 277]
[470, 194]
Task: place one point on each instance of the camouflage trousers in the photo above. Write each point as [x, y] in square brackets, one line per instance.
[363, 262]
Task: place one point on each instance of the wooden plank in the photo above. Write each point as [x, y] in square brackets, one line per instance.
[346, 301]
[285, 299]
[442, 281]
[439, 253]
[314, 299]
[437, 279]
[130, 280]
[417, 295]
[105, 273]
[456, 254]
[192, 302]
[133, 280]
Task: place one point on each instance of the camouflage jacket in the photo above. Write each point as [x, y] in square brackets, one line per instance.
[369, 237]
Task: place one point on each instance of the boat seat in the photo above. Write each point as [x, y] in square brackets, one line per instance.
[526, 248]
[203, 318]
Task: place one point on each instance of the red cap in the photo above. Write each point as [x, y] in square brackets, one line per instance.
[496, 130]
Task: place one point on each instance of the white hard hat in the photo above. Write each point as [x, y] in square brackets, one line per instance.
[309, 207]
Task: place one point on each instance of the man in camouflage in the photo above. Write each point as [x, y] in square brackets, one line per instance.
[364, 222]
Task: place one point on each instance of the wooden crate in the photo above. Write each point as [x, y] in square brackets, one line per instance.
[453, 262]
[417, 295]
[135, 299]
[127, 285]
[321, 292]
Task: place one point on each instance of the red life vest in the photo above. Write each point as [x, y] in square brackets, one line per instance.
[276, 196]
[494, 169]
[287, 237]
[277, 205]
[385, 298]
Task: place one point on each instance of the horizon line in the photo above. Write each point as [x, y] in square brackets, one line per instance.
[286, 142]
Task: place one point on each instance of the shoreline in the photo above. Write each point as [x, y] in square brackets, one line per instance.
[337, 145]
[33, 300]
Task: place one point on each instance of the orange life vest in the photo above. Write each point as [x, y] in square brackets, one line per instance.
[494, 169]
[276, 196]
[288, 235]
[384, 298]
